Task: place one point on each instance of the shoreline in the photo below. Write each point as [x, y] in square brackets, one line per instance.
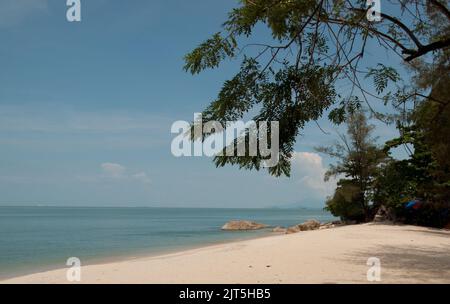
[99, 235]
[408, 254]
[142, 254]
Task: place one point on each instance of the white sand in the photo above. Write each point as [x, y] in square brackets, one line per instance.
[408, 254]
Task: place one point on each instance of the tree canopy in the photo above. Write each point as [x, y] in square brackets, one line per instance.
[358, 163]
[314, 45]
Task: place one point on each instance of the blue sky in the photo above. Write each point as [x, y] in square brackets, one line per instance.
[86, 110]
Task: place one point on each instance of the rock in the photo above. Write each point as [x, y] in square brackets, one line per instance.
[279, 229]
[379, 218]
[327, 226]
[308, 225]
[243, 225]
[382, 215]
[293, 229]
[385, 215]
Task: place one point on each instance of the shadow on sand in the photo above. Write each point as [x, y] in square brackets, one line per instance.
[407, 263]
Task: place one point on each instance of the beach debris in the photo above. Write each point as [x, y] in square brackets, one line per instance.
[279, 229]
[243, 225]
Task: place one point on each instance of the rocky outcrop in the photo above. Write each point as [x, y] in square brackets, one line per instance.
[306, 226]
[279, 229]
[243, 225]
[331, 225]
[293, 229]
[327, 226]
[309, 225]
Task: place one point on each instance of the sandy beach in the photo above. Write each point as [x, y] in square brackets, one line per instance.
[408, 254]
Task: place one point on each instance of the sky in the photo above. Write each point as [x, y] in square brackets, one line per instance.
[86, 110]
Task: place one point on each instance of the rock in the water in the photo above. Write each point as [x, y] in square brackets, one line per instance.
[243, 225]
[279, 229]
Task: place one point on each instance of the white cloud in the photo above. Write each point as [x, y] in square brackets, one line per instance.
[118, 171]
[309, 171]
[142, 177]
[113, 170]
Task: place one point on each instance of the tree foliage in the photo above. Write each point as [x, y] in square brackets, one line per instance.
[424, 133]
[345, 203]
[315, 45]
[358, 163]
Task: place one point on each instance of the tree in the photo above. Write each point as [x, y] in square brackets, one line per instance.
[315, 45]
[424, 133]
[432, 119]
[346, 203]
[426, 129]
[358, 161]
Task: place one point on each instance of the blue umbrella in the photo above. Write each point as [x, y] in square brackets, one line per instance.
[410, 204]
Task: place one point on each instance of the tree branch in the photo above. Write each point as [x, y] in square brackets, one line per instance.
[398, 23]
[429, 48]
[440, 6]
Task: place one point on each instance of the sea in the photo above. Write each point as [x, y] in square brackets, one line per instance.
[35, 239]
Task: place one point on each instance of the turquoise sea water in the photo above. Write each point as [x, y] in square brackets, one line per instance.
[40, 238]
